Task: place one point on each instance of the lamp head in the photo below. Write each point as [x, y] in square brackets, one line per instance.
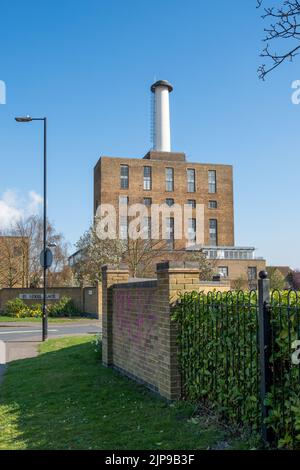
[23, 119]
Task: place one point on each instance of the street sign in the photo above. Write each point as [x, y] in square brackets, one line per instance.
[46, 258]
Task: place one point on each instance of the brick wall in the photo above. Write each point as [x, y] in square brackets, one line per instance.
[92, 299]
[84, 301]
[139, 338]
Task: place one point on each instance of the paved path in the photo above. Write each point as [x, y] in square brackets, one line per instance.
[22, 339]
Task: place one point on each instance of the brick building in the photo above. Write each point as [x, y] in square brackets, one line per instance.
[14, 253]
[166, 177]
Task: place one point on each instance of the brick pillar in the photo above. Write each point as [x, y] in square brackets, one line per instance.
[172, 277]
[99, 300]
[110, 276]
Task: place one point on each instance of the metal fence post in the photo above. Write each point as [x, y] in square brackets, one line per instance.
[265, 349]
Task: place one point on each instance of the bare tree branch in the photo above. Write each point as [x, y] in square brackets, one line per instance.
[284, 25]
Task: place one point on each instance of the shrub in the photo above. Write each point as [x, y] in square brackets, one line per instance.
[17, 308]
[98, 343]
[219, 358]
[65, 307]
[13, 307]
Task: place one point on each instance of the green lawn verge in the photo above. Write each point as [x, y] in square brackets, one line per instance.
[50, 319]
[65, 399]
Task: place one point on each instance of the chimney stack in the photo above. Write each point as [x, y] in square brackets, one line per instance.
[161, 90]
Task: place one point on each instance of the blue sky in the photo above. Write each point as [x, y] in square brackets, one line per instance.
[88, 65]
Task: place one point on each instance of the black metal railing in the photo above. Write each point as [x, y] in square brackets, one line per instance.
[235, 352]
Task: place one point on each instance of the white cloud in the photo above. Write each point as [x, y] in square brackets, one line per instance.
[13, 207]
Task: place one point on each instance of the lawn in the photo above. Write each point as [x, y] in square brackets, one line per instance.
[50, 319]
[65, 399]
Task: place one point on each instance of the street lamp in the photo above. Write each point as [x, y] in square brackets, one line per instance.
[46, 255]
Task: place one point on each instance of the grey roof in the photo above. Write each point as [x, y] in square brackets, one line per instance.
[161, 83]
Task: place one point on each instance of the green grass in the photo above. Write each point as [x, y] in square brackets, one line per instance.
[65, 399]
[50, 319]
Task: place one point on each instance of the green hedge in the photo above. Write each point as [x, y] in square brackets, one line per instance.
[219, 359]
[18, 309]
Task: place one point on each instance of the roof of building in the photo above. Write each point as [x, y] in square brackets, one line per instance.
[164, 83]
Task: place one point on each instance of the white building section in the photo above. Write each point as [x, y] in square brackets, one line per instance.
[162, 139]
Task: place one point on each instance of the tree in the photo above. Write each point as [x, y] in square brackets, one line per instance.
[30, 233]
[240, 283]
[207, 267]
[284, 25]
[93, 253]
[277, 280]
[12, 267]
[140, 255]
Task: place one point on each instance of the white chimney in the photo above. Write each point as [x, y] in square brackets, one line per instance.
[162, 139]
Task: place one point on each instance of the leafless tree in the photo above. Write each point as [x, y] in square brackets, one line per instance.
[11, 265]
[284, 25]
[30, 233]
[140, 255]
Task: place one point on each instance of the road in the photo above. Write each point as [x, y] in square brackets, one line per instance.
[33, 332]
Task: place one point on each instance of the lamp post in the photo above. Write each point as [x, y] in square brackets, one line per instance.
[46, 255]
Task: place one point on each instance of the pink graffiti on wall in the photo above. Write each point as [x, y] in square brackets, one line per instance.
[140, 328]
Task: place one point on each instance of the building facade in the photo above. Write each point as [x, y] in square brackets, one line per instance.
[14, 255]
[166, 178]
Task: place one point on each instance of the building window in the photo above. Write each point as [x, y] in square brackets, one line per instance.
[252, 277]
[191, 181]
[223, 270]
[147, 178]
[147, 228]
[123, 227]
[124, 173]
[192, 231]
[170, 202]
[169, 179]
[213, 232]
[170, 232]
[212, 204]
[212, 181]
[17, 251]
[147, 201]
[123, 200]
[191, 203]
[252, 273]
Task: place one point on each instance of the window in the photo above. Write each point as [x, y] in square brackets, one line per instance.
[147, 178]
[124, 174]
[170, 202]
[17, 251]
[169, 179]
[252, 273]
[192, 231]
[123, 200]
[191, 183]
[223, 270]
[147, 201]
[213, 232]
[212, 204]
[123, 227]
[191, 203]
[147, 227]
[212, 181]
[252, 277]
[170, 232]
